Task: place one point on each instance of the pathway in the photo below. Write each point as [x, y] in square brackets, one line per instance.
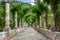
[30, 34]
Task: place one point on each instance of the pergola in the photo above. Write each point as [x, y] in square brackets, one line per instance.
[7, 7]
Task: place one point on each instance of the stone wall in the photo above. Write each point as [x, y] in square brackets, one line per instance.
[10, 34]
[51, 35]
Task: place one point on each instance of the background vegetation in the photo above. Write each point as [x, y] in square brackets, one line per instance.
[39, 14]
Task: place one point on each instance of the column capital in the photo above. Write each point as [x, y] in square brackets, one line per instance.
[7, 1]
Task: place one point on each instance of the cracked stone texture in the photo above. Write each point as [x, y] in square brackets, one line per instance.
[30, 34]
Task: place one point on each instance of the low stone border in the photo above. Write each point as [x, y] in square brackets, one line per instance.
[51, 35]
[10, 34]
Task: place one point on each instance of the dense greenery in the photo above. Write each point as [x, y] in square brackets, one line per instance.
[2, 14]
[38, 14]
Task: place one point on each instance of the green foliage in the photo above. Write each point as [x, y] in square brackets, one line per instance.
[2, 14]
[30, 18]
[2, 17]
[40, 7]
[21, 9]
[36, 10]
[47, 1]
[14, 7]
[58, 1]
[58, 12]
[24, 10]
[2, 11]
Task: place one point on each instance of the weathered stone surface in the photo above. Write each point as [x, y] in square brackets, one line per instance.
[57, 37]
[49, 34]
[30, 34]
[3, 35]
[10, 34]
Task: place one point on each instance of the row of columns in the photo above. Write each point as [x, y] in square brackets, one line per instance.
[7, 16]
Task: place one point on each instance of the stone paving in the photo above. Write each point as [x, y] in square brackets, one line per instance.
[30, 34]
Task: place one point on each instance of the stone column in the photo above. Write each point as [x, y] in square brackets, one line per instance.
[15, 19]
[44, 21]
[40, 21]
[52, 23]
[7, 16]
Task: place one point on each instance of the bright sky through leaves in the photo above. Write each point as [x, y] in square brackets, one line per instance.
[29, 1]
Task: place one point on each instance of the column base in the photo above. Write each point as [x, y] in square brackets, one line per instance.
[6, 29]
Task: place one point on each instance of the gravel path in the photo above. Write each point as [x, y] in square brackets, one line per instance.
[30, 34]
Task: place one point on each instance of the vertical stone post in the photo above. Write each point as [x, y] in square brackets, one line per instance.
[44, 15]
[52, 23]
[15, 19]
[7, 16]
[40, 21]
[44, 21]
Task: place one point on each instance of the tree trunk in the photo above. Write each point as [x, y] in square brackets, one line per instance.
[7, 17]
[16, 19]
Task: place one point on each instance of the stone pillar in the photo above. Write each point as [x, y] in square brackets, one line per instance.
[15, 19]
[44, 21]
[7, 16]
[40, 21]
[52, 23]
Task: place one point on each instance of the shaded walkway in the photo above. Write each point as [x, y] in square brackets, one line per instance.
[30, 34]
